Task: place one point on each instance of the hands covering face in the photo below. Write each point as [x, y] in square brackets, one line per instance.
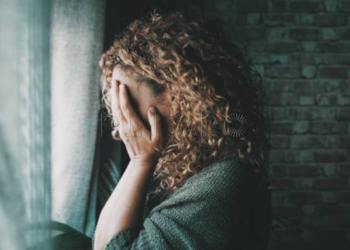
[140, 142]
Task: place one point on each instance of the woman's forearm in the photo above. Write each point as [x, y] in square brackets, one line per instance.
[124, 208]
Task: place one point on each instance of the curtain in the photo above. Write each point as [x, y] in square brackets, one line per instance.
[77, 44]
[24, 121]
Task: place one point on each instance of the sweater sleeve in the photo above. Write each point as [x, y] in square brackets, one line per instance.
[197, 215]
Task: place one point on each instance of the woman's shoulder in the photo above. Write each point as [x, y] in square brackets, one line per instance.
[228, 164]
[218, 181]
[211, 193]
[226, 171]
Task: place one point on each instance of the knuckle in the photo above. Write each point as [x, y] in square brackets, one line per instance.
[155, 118]
[124, 107]
[127, 139]
[156, 138]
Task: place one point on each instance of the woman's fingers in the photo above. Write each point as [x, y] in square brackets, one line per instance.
[139, 141]
[130, 123]
[133, 124]
[115, 101]
[155, 122]
[127, 110]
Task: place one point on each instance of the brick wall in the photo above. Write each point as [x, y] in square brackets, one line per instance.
[301, 48]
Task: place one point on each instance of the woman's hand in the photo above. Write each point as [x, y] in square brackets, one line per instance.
[141, 144]
[124, 208]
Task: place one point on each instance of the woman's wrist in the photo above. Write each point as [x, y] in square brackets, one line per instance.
[145, 161]
[143, 166]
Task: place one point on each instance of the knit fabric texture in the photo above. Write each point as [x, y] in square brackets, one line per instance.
[225, 206]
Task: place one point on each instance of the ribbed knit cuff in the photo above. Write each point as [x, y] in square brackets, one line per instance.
[123, 240]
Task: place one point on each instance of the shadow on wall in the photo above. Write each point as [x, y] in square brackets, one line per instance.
[325, 241]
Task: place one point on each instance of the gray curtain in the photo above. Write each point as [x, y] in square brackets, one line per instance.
[24, 121]
[77, 44]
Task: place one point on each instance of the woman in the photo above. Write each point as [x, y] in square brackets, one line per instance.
[184, 104]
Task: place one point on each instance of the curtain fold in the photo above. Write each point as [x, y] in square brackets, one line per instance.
[25, 194]
[77, 44]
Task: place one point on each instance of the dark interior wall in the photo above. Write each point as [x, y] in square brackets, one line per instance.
[301, 48]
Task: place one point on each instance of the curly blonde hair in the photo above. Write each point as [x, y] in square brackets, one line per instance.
[208, 81]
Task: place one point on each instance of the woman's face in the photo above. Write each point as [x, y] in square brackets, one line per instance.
[141, 97]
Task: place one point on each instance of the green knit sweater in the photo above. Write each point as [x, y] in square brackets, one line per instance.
[225, 206]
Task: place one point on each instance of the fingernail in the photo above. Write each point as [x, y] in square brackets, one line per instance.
[152, 110]
[113, 84]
